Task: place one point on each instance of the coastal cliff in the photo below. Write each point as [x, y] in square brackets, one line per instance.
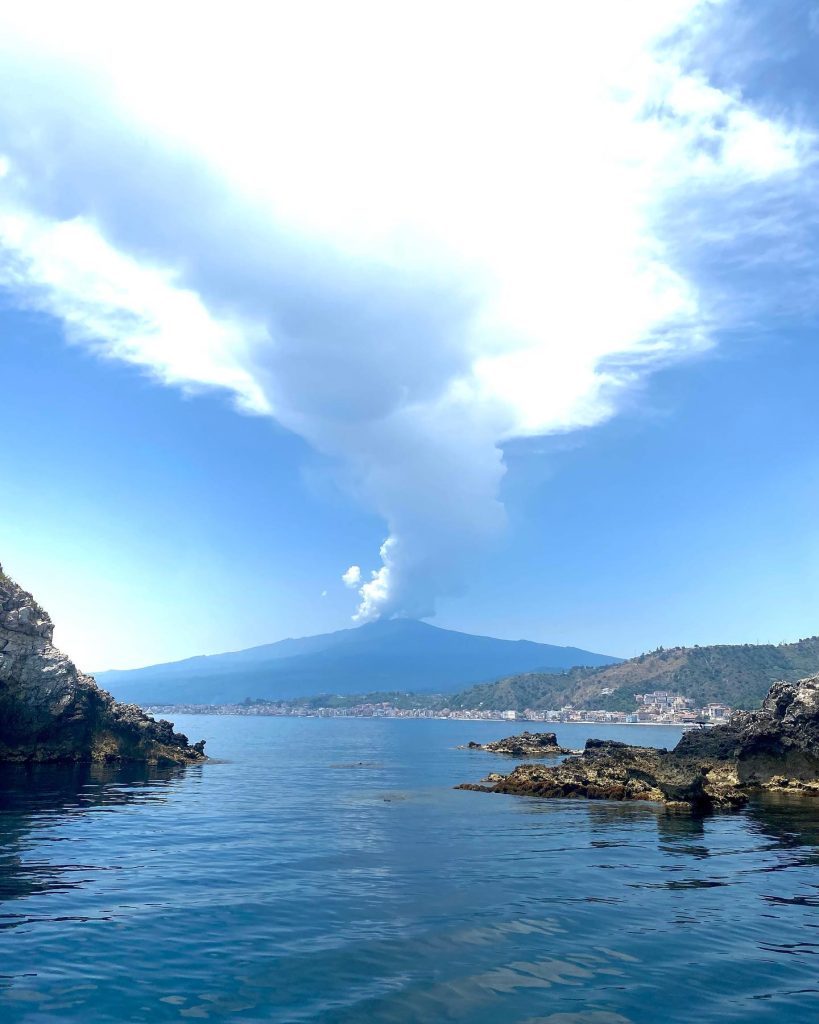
[774, 749]
[51, 712]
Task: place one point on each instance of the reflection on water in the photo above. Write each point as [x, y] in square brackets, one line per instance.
[45, 795]
[790, 821]
[329, 872]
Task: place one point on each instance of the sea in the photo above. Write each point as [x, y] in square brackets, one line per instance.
[327, 870]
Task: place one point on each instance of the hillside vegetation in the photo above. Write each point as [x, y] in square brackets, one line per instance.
[739, 675]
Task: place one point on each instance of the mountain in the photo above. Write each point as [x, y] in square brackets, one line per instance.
[739, 675]
[395, 654]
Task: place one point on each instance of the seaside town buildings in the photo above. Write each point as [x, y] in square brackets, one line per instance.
[658, 708]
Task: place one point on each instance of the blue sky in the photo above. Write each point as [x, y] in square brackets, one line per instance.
[570, 373]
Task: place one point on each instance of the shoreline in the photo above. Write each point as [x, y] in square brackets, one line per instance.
[215, 713]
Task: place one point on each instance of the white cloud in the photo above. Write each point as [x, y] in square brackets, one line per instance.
[126, 309]
[352, 577]
[410, 232]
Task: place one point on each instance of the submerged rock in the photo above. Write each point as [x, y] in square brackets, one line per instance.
[527, 744]
[49, 711]
[775, 749]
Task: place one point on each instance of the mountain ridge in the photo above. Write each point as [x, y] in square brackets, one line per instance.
[398, 654]
[737, 674]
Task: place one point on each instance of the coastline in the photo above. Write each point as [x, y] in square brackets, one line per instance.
[216, 712]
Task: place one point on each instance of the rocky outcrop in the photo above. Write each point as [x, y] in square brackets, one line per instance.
[527, 744]
[51, 712]
[774, 749]
[616, 771]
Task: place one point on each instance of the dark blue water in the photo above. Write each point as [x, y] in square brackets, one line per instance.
[328, 872]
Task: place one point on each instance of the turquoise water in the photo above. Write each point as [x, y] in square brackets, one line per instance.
[327, 871]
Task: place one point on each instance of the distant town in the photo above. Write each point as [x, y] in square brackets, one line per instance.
[657, 708]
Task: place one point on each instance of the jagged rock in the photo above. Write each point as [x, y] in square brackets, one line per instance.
[774, 749]
[527, 744]
[49, 711]
[616, 771]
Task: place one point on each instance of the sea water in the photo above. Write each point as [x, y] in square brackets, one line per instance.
[326, 870]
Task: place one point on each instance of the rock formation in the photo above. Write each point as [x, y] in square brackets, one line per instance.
[616, 771]
[775, 749]
[527, 744]
[51, 712]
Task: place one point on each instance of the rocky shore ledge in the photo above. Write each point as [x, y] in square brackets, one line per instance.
[50, 712]
[775, 749]
[527, 744]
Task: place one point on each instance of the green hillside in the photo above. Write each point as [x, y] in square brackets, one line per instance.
[738, 675]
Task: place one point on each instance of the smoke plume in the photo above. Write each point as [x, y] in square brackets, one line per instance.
[408, 233]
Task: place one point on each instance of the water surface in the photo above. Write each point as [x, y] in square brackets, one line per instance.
[327, 871]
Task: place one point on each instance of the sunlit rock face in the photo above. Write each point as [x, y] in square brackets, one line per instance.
[49, 711]
[775, 749]
[779, 745]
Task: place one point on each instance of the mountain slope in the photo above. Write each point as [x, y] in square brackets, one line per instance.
[739, 675]
[397, 654]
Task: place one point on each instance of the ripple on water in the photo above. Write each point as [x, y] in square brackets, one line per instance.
[359, 886]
